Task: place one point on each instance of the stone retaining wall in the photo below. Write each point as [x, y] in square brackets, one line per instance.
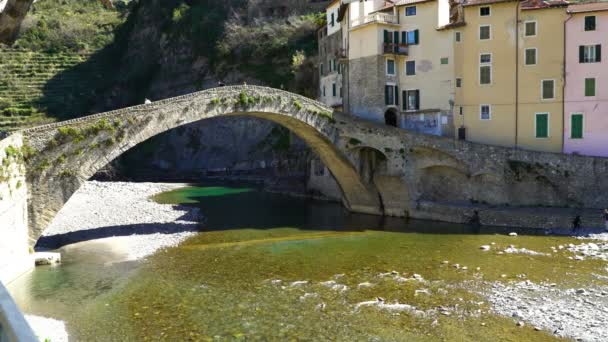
[14, 254]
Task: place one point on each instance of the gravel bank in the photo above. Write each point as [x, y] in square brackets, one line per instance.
[124, 212]
[578, 314]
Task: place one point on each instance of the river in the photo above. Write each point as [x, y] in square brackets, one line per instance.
[267, 267]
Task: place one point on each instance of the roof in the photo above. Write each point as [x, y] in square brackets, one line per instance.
[332, 3]
[588, 7]
[451, 25]
[483, 2]
[410, 2]
[541, 4]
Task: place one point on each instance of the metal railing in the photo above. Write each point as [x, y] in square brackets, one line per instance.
[13, 326]
[382, 18]
[398, 49]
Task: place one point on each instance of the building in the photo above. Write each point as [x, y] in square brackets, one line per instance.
[509, 73]
[586, 91]
[395, 63]
[330, 53]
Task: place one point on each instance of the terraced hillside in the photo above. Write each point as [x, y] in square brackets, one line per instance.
[32, 82]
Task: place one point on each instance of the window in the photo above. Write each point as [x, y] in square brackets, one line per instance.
[485, 68]
[542, 125]
[485, 112]
[410, 37]
[332, 22]
[590, 53]
[484, 32]
[548, 89]
[530, 56]
[530, 28]
[390, 66]
[341, 94]
[444, 60]
[391, 95]
[334, 65]
[460, 111]
[576, 126]
[458, 36]
[411, 100]
[321, 68]
[589, 86]
[333, 89]
[323, 91]
[410, 10]
[458, 82]
[590, 23]
[484, 11]
[410, 68]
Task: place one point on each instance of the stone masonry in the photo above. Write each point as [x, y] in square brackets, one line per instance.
[379, 169]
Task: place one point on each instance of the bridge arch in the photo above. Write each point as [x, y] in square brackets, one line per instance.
[64, 155]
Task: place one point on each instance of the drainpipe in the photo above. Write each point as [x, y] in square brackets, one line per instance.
[517, 74]
[564, 86]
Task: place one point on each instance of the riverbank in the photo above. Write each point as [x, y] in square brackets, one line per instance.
[125, 213]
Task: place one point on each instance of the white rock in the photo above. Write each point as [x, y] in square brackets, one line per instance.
[484, 248]
[47, 258]
[512, 234]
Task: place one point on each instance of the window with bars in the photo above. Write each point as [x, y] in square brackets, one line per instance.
[530, 28]
[548, 89]
[530, 56]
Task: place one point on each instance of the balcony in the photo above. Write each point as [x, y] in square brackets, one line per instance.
[341, 53]
[380, 18]
[396, 49]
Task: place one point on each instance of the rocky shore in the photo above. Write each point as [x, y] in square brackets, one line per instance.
[101, 210]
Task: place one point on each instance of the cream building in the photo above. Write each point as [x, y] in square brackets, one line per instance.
[400, 64]
[509, 74]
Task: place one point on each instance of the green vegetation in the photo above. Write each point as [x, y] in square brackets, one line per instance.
[297, 104]
[69, 26]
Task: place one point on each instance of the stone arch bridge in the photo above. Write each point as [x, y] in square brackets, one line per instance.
[379, 169]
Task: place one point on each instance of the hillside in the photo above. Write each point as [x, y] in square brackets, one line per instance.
[76, 57]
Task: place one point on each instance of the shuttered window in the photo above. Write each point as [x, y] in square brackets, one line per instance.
[410, 68]
[484, 32]
[589, 86]
[411, 100]
[576, 126]
[411, 37]
[542, 125]
[590, 53]
[530, 56]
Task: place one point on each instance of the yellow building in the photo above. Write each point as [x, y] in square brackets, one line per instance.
[509, 67]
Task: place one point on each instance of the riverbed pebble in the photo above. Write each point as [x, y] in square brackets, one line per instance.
[126, 210]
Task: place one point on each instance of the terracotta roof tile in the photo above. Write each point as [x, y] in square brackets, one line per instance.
[540, 4]
[483, 2]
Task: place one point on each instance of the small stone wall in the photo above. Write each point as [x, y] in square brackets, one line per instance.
[14, 254]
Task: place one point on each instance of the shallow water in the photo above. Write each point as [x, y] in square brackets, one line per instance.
[269, 267]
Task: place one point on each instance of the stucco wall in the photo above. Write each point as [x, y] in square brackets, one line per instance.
[14, 254]
[549, 44]
[433, 79]
[500, 94]
[594, 109]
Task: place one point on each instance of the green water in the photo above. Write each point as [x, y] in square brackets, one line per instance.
[234, 281]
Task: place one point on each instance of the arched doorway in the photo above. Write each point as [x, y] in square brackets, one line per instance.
[390, 118]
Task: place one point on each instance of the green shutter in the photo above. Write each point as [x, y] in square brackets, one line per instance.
[416, 37]
[386, 36]
[576, 126]
[396, 95]
[404, 99]
[581, 54]
[598, 53]
[589, 86]
[386, 90]
[542, 125]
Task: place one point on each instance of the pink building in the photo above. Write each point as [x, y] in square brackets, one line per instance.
[586, 89]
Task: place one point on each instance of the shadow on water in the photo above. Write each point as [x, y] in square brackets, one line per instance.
[234, 207]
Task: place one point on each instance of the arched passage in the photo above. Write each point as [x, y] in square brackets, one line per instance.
[69, 153]
[390, 117]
